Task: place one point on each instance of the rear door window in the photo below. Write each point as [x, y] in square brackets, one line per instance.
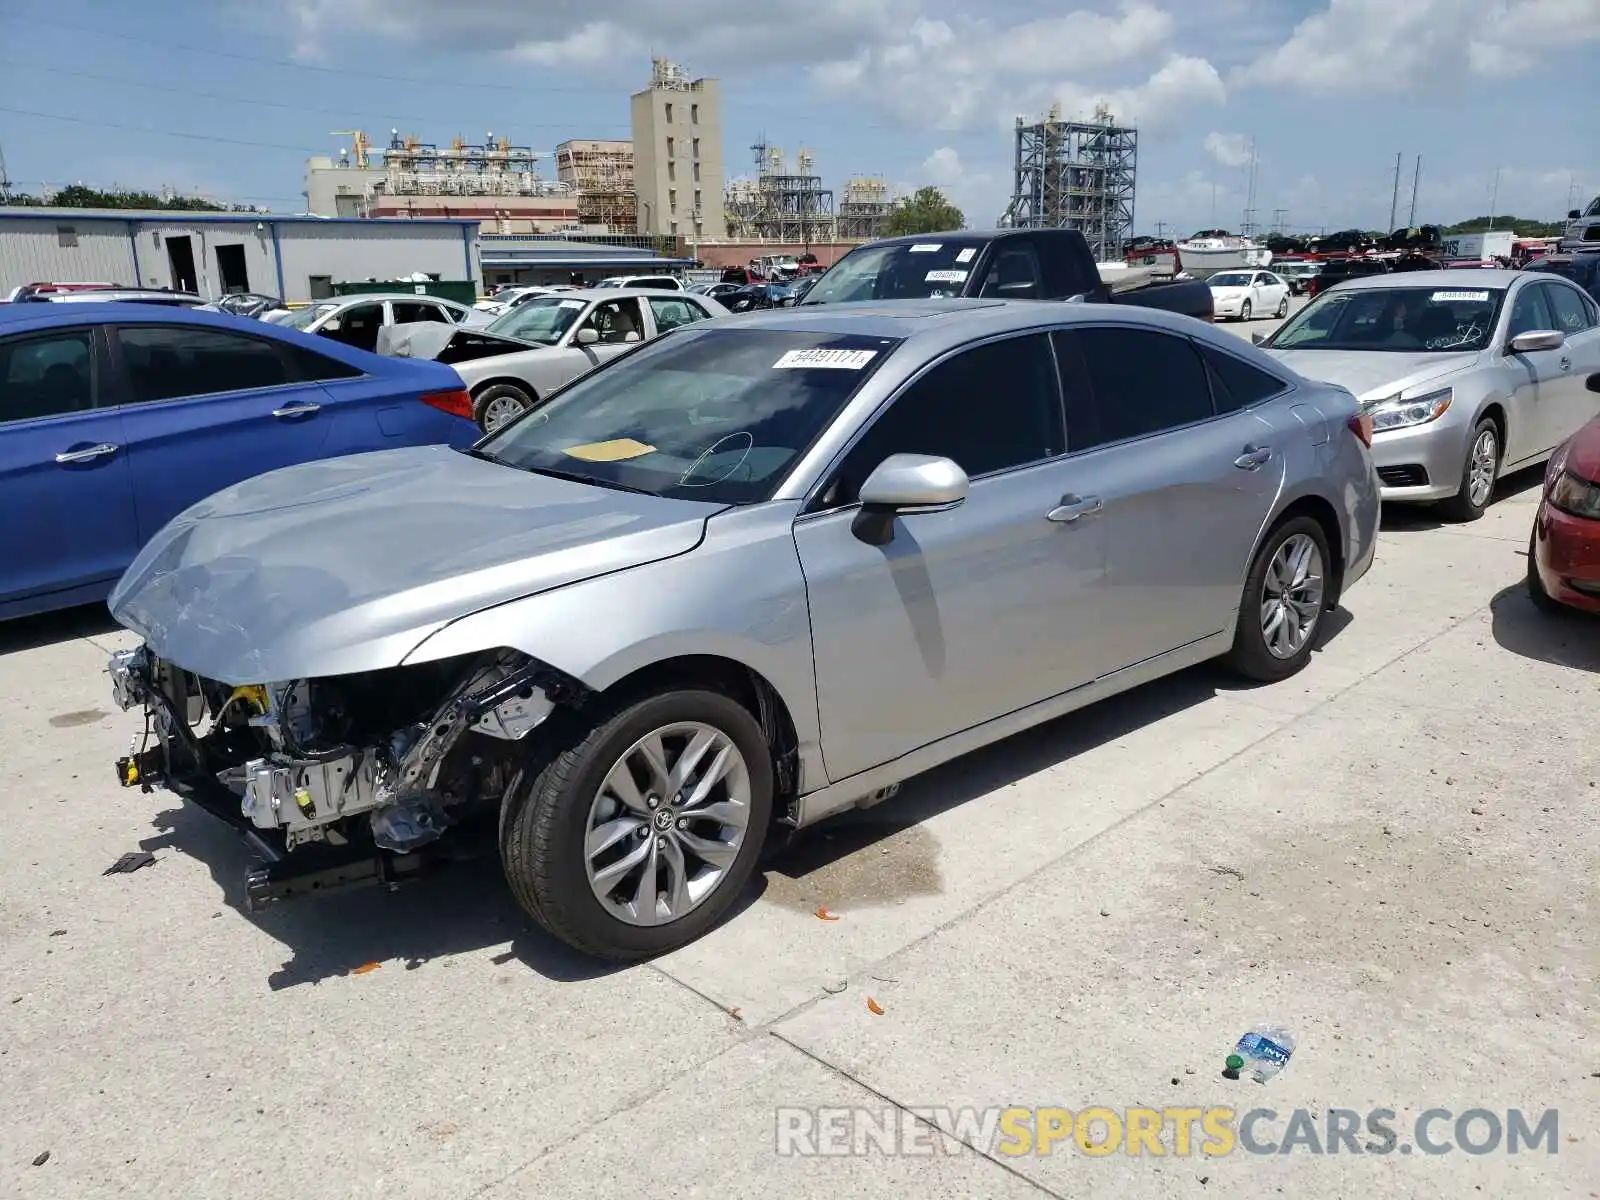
[1139, 382]
[406, 312]
[1567, 307]
[1014, 272]
[168, 362]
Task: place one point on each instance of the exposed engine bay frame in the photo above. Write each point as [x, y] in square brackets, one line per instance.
[325, 801]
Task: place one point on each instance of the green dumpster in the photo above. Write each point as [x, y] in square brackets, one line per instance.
[462, 291]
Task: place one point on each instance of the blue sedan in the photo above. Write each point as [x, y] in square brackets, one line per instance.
[116, 417]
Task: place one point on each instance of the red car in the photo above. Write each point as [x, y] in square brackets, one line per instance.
[1564, 549]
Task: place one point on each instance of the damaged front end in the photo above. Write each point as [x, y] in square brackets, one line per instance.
[339, 780]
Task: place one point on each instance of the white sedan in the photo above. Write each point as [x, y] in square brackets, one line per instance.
[1247, 294]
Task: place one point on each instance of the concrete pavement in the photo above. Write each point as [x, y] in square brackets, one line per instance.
[1394, 854]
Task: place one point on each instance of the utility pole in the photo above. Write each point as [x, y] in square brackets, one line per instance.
[1161, 229]
[1416, 181]
[1494, 196]
[1394, 200]
[1248, 226]
[1280, 220]
[1572, 186]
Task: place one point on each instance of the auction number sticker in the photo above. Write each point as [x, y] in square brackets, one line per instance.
[967, 255]
[573, 303]
[926, 247]
[1444, 297]
[840, 360]
[945, 277]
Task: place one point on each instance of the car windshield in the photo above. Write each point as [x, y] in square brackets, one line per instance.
[1594, 208]
[898, 271]
[302, 318]
[1404, 319]
[541, 319]
[1231, 279]
[706, 414]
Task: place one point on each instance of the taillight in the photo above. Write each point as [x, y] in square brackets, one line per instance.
[457, 402]
[1361, 426]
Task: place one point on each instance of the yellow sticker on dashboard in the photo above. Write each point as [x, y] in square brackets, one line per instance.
[616, 450]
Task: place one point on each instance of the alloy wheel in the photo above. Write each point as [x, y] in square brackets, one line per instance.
[667, 823]
[499, 410]
[1291, 596]
[1483, 464]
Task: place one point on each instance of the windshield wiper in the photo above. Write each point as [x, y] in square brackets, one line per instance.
[580, 477]
[474, 452]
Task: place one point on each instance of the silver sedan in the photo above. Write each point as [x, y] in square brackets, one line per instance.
[1466, 374]
[748, 576]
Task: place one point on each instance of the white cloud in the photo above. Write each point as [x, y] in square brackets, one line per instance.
[1229, 149]
[979, 192]
[1380, 45]
[919, 61]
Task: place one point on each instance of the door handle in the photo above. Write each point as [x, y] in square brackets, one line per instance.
[1073, 507]
[1253, 458]
[88, 455]
[1566, 364]
[296, 410]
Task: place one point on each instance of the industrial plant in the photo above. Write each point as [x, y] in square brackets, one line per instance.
[1076, 175]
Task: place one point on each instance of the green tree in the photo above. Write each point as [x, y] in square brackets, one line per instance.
[1521, 226]
[928, 210]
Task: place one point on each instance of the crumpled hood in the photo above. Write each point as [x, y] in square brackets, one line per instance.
[347, 565]
[1375, 374]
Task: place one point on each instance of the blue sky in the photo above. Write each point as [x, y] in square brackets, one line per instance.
[229, 97]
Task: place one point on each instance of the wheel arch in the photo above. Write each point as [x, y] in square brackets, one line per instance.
[522, 385]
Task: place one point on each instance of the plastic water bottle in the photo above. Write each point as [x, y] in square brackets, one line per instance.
[1264, 1051]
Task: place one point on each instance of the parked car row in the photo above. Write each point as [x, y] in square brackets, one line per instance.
[625, 626]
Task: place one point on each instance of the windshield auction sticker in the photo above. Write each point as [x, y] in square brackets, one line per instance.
[843, 360]
[945, 277]
[1446, 297]
[926, 247]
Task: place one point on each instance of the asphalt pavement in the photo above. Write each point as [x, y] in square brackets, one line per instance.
[1394, 855]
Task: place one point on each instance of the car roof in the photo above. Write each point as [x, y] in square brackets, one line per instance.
[367, 296]
[111, 311]
[954, 322]
[1494, 277]
[611, 293]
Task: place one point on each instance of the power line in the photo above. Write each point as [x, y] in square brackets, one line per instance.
[172, 133]
[254, 103]
[343, 72]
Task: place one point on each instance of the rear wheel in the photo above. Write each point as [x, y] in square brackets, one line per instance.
[636, 836]
[1244, 311]
[498, 404]
[1478, 475]
[1283, 308]
[1281, 610]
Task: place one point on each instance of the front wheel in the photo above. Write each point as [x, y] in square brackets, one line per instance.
[1281, 610]
[1244, 311]
[1283, 308]
[636, 836]
[1478, 475]
[500, 404]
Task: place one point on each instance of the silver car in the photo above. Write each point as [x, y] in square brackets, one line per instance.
[1466, 374]
[551, 340]
[357, 320]
[755, 573]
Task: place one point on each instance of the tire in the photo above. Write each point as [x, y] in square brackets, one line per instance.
[557, 800]
[499, 403]
[1283, 308]
[1252, 656]
[1472, 499]
[1244, 311]
[1542, 600]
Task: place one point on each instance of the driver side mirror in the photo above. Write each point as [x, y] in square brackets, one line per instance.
[332, 326]
[906, 483]
[1535, 340]
[631, 336]
[587, 336]
[1573, 214]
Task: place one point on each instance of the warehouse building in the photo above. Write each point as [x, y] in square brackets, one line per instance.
[297, 258]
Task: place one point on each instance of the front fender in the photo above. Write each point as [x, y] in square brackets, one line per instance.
[740, 595]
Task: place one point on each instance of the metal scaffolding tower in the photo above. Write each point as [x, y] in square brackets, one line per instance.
[864, 209]
[777, 205]
[1076, 175]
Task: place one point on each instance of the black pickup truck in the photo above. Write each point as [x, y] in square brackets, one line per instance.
[1014, 264]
